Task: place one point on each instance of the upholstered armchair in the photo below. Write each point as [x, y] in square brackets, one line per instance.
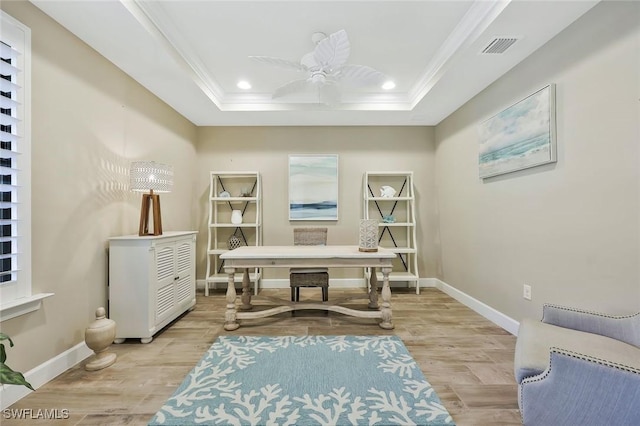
[578, 368]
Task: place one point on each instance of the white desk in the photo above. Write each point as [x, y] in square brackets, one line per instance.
[247, 257]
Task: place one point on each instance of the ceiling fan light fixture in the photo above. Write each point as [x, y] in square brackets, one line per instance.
[318, 77]
[326, 69]
[388, 85]
[244, 85]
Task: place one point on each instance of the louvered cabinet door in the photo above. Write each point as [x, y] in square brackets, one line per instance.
[185, 272]
[151, 282]
[165, 280]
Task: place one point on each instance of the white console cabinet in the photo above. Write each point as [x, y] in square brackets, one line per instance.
[151, 282]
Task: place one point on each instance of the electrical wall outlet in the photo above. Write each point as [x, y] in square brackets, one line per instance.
[526, 292]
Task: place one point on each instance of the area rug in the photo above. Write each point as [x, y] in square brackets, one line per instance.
[305, 380]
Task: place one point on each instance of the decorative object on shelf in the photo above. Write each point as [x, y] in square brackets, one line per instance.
[387, 191]
[519, 137]
[7, 375]
[245, 192]
[98, 337]
[234, 242]
[313, 187]
[236, 217]
[389, 219]
[150, 176]
[368, 235]
[224, 194]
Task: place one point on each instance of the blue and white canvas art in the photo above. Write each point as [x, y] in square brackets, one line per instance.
[520, 136]
[313, 187]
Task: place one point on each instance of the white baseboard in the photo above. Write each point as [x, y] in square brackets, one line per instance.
[334, 283]
[486, 311]
[43, 373]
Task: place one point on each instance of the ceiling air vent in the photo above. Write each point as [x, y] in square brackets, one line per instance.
[499, 44]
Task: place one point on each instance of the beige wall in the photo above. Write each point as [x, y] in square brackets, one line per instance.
[266, 149]
[570, 230]
[89, 120]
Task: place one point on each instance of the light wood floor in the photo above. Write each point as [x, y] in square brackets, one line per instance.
[466, 358]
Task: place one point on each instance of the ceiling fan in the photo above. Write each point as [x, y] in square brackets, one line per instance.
[326, 69]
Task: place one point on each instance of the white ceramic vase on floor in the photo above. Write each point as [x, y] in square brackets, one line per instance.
[98, 337]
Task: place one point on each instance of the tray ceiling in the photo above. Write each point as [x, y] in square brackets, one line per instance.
[192, 54]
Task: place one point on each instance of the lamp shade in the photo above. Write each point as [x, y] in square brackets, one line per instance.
[150, 176]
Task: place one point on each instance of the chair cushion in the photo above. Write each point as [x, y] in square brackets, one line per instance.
[308, 270]
[535, 339]
[309, 280]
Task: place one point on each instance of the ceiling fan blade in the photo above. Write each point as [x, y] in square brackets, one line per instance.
[333, 51]
[360, 75]
[291, 87]
[329, 94]
[282, 63]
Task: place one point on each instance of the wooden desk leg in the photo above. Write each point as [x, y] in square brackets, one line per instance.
[386, 301]
[230, 322]
[246, 292]
[373, 289]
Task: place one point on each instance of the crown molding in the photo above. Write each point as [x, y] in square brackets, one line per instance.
[477, 19]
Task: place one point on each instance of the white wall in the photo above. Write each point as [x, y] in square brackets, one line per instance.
[571, 229]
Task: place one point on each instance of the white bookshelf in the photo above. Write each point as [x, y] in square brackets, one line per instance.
[220, 227]
[398, 236]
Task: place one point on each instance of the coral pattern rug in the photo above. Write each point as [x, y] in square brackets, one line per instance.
[305, 380]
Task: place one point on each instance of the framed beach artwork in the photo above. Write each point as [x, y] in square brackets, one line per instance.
[313, 187]
[521, 136]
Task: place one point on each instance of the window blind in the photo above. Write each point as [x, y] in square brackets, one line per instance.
[15, 163]
[9, 140]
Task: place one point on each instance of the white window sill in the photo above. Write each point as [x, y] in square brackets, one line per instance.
[22, 306]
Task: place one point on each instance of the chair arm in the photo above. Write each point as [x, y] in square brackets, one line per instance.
[623, 328]
[578, 389]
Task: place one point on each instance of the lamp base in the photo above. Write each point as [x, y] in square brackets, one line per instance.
[368, 249]
[147, 201]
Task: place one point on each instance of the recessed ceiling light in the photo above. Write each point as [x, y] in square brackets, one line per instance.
[388, 85]
[242, 84]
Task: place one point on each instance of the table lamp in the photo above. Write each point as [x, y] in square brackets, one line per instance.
[152, 177]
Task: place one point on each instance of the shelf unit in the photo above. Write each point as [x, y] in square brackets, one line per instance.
[244, 192]
[398, 236]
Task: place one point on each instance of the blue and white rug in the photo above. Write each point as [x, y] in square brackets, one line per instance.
[305, 380]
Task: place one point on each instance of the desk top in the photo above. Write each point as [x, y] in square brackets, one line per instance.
[305, 252]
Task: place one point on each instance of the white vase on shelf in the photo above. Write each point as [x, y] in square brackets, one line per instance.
[236, 217]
